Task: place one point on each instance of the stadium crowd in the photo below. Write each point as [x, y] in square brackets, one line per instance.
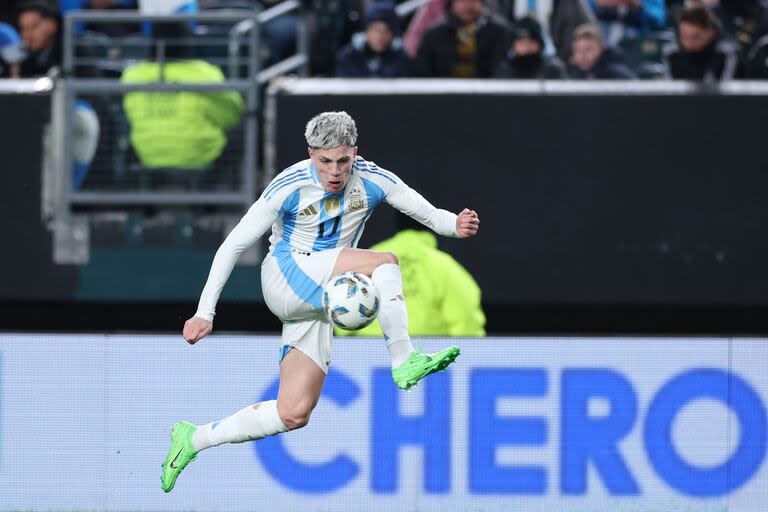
[706, 40]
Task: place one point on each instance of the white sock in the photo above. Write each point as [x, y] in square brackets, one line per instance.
[254, 422]
[393, 315]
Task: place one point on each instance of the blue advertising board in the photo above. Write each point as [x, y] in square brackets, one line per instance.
[523, 424]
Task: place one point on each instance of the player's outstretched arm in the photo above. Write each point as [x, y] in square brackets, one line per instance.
[250, 228]
[467, 223]
[411, 203]
[196, 328]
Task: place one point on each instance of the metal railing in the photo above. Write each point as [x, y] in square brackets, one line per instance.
[244, 33]
[71, 86]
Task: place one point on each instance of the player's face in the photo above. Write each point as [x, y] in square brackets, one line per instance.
[333, 166]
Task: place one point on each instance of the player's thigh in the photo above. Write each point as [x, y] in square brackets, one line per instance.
[361, 260]
[281, 298]
[301, 382]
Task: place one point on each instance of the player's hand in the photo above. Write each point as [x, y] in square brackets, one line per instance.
[467, 223]
[195, 329]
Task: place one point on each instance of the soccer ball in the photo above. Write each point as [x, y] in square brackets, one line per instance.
[351, 300]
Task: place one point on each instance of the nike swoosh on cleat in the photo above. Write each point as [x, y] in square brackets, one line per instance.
[173, 462]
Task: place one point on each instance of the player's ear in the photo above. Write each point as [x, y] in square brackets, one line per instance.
[354, 154]
[309, 150]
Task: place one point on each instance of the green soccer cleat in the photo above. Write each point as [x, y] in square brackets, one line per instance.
[419, 365]
[180, 454]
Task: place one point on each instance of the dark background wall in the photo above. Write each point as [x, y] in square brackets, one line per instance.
[599, 214]
[631, 200]
[27, 271]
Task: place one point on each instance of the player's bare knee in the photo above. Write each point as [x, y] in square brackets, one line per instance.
[388, 257]
[294, 417]
[296, 421]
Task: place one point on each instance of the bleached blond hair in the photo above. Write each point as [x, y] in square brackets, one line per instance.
[331, 130]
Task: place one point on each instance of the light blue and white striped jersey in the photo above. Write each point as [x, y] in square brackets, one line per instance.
[306, 218]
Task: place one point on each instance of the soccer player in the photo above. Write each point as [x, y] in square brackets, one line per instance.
[317, 209]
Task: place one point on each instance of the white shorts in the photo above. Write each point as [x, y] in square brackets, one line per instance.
[292, 283]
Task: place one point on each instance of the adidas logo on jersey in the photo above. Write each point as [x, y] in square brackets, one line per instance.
[308, 211]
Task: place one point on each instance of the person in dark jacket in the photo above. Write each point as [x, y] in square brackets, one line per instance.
[526, 58]
[702, 53]
[591, 58]
[558, 18]
[40, 28]
[741, 21]
[377, 52]
[468, 43]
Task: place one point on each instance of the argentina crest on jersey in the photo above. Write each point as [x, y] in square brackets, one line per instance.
[356, 199]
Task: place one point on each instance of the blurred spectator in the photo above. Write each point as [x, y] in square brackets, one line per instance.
[40, 28]
[429, 15]
[180, 130]
[441, 296]
[331, 25]
[743, 21]
[702, 53]
[526, 58]
[628, 19]
[559, 19]
[469, 43]
[592, 59]
[377, 52]
[11, 52]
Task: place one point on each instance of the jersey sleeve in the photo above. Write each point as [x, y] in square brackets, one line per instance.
[411, 203]
[251, 227]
